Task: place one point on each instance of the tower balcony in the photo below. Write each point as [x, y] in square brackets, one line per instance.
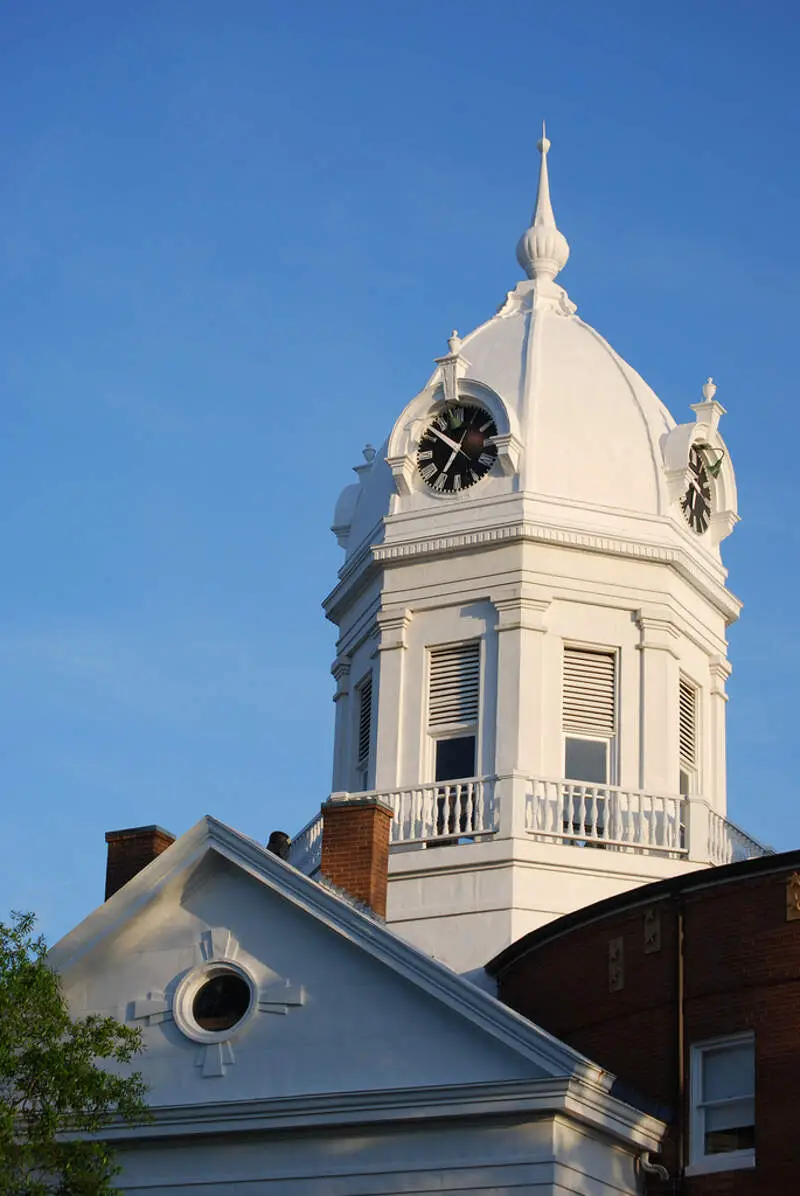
[562, 813]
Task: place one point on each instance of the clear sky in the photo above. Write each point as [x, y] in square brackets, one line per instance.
[232, 238]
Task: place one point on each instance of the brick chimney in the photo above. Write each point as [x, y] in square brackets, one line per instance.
[131, 850]
[355, 847]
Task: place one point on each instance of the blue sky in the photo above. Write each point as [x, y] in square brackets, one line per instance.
[232, 238]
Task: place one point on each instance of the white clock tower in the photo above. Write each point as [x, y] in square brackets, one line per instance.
[532, 620]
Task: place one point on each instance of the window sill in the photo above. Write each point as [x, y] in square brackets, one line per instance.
[734, 1160]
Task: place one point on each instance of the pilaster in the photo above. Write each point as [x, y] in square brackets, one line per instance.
[720, 671]
[342, 754]
[521, 628]
[658, 701]
[392, 628]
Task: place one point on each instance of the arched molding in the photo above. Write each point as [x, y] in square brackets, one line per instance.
[424, 406]
[676, 446]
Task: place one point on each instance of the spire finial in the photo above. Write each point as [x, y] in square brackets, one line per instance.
[543, 249]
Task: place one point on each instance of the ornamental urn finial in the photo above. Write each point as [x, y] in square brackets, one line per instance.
[543, 250]
[709, 389]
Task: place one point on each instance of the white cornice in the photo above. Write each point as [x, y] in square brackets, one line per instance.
[524, 1098]
[586, 541]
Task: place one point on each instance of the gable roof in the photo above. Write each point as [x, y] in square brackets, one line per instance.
[460, 996]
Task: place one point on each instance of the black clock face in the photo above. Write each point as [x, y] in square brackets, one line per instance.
[456, 449]
[696, 502]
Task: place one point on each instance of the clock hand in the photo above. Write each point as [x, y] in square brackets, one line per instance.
[456, 450]
[450, 443]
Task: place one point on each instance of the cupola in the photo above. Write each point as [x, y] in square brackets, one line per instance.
[532, 616]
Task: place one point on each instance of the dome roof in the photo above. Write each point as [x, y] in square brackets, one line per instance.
[579, 429]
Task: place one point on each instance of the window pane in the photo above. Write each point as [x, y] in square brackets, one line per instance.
[728, 1071]
[730, 1127]
[455, 758]
[586, 760]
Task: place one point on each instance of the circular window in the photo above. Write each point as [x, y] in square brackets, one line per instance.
[221, 1002]
[214, 1001]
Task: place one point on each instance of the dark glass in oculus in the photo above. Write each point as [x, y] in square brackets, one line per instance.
[221, 1002]
[456, 449]
[696, 502]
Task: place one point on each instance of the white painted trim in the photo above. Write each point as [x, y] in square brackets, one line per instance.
[580, 1102]
[735, 1160]
[697, 1156]
[677, 558]
[459, 996]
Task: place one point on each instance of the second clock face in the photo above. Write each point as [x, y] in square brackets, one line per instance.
[696, 502]
[456, 448]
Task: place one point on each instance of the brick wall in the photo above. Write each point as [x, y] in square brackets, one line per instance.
[609, 985]
[131, 850]
[355, 848]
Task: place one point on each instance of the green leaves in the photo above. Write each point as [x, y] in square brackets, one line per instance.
[60, 1080]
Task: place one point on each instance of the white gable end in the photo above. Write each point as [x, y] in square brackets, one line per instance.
[360, 1066]
[349, 1022]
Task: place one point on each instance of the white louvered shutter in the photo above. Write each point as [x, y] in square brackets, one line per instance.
[687, 714]
[364, 720]
[589, 692]
[455, 683]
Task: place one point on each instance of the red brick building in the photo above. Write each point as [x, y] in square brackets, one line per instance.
[689, 991]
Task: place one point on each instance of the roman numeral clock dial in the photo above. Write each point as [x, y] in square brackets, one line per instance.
[456, 449]
[696, 502]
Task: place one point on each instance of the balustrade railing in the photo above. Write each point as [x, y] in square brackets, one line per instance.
[305, 849]
[569, 813]
[605, 816]
[444, 811]
[728, 843]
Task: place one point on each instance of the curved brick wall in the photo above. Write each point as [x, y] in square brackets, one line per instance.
[607, 981]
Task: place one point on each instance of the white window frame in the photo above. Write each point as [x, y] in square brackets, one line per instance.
[454, 730]
[612, 741]
[701, 1163]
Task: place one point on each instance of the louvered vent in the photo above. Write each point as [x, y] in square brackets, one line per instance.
[589, 691]
[364, 719]
[455, 683]
[688, 724]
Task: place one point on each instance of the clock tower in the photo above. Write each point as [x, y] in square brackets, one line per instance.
[532, 618]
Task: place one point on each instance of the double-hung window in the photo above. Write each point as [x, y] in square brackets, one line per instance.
[454, 693]
[590, 726]
[722, 1131]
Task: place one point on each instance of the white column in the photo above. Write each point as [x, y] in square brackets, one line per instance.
[392, 627]
[659, 764]
[342, 755]
[715, 758]
[520, 700]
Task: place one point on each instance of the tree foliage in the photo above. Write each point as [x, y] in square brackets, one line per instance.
[58, 1083]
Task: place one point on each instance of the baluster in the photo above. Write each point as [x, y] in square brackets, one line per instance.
[428, 819]
[472, 820]
[553, 799]
[415, 830]
[533, 799]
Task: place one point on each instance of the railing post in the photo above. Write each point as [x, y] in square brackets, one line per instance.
[698, 827]
[510, 798]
